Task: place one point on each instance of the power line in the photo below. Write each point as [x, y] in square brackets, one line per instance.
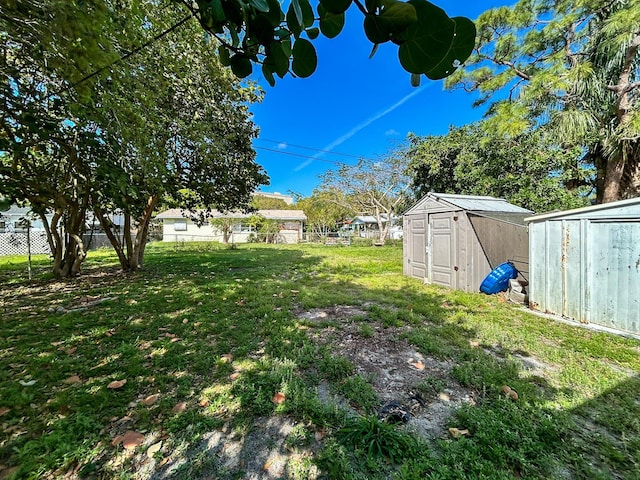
[315, 149]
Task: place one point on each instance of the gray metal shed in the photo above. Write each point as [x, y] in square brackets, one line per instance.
[585, 264]
[456, 240]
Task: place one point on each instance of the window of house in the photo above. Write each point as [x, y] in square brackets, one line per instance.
[242, 228]
[3, 226]
[180, 225]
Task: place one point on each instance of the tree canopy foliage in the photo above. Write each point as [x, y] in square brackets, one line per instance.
[371, 187]
[526, 170]
[167, 120]
[262, 32]
[326, 209]
[571, 68]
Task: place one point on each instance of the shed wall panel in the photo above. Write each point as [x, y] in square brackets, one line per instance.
[587, 270]
[615, 289]
[503, 241]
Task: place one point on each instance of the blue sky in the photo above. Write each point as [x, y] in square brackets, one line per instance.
[352, 107]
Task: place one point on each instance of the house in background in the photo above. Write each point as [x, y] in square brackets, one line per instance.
[177, 226]
[366, 226]
[456, 240]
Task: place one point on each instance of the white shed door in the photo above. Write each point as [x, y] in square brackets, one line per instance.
[443, 249]
[417, 235]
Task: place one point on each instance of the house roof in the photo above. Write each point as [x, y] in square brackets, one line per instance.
[621, 209]
[472, 203]
[177, 213]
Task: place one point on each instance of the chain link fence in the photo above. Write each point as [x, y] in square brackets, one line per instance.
[16, 243]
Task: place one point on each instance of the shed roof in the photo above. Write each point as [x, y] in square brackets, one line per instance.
[472, 203]
[621, 209]
[178, 213]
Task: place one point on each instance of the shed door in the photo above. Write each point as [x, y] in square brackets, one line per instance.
[443, 249]
[417, 245]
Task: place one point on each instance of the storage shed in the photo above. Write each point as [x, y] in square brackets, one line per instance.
[456, 240]
[585, 264]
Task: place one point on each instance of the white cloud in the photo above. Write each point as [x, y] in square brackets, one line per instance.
[361, 126]
[282, 146]
[392, 133]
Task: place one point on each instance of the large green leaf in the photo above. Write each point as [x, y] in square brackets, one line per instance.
[278, 58]
[241, 66]
[433, 44]
[293, 23]
[376, 29]
[305, 59]
[393, 20]
[303, 13]
[460, 49]
[268, 74]
[335, 6]
[330, 24]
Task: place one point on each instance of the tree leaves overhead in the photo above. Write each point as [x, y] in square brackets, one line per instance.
[330, 24]
[571, 69]
[305, 60]
[430, 42]
[436, 44]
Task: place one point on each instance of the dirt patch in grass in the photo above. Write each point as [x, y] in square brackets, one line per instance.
[272, 448]
[397, 371]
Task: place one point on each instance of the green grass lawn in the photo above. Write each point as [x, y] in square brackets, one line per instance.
[211, 344]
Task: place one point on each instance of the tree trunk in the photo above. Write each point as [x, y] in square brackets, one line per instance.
[140, 243]
[613, 180]
[107, 225]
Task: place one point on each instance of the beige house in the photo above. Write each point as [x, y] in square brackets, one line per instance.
[177, 226]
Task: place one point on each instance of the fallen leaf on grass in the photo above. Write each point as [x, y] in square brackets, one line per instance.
[153, 449]
[116, 384]
[295, 292]
[278, 398]
[73, 379]
[27, 384]
[512, 394]
[71, 351]
[56, 344]
[418, 365]
[4, 411]
[129, 440]
[457, 433]
[234, 375]
[227, 357]
[203, 403]
[179, 407]
[150, 400]
[174, 340]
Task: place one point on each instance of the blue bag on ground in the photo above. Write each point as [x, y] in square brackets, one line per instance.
[498, 279]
